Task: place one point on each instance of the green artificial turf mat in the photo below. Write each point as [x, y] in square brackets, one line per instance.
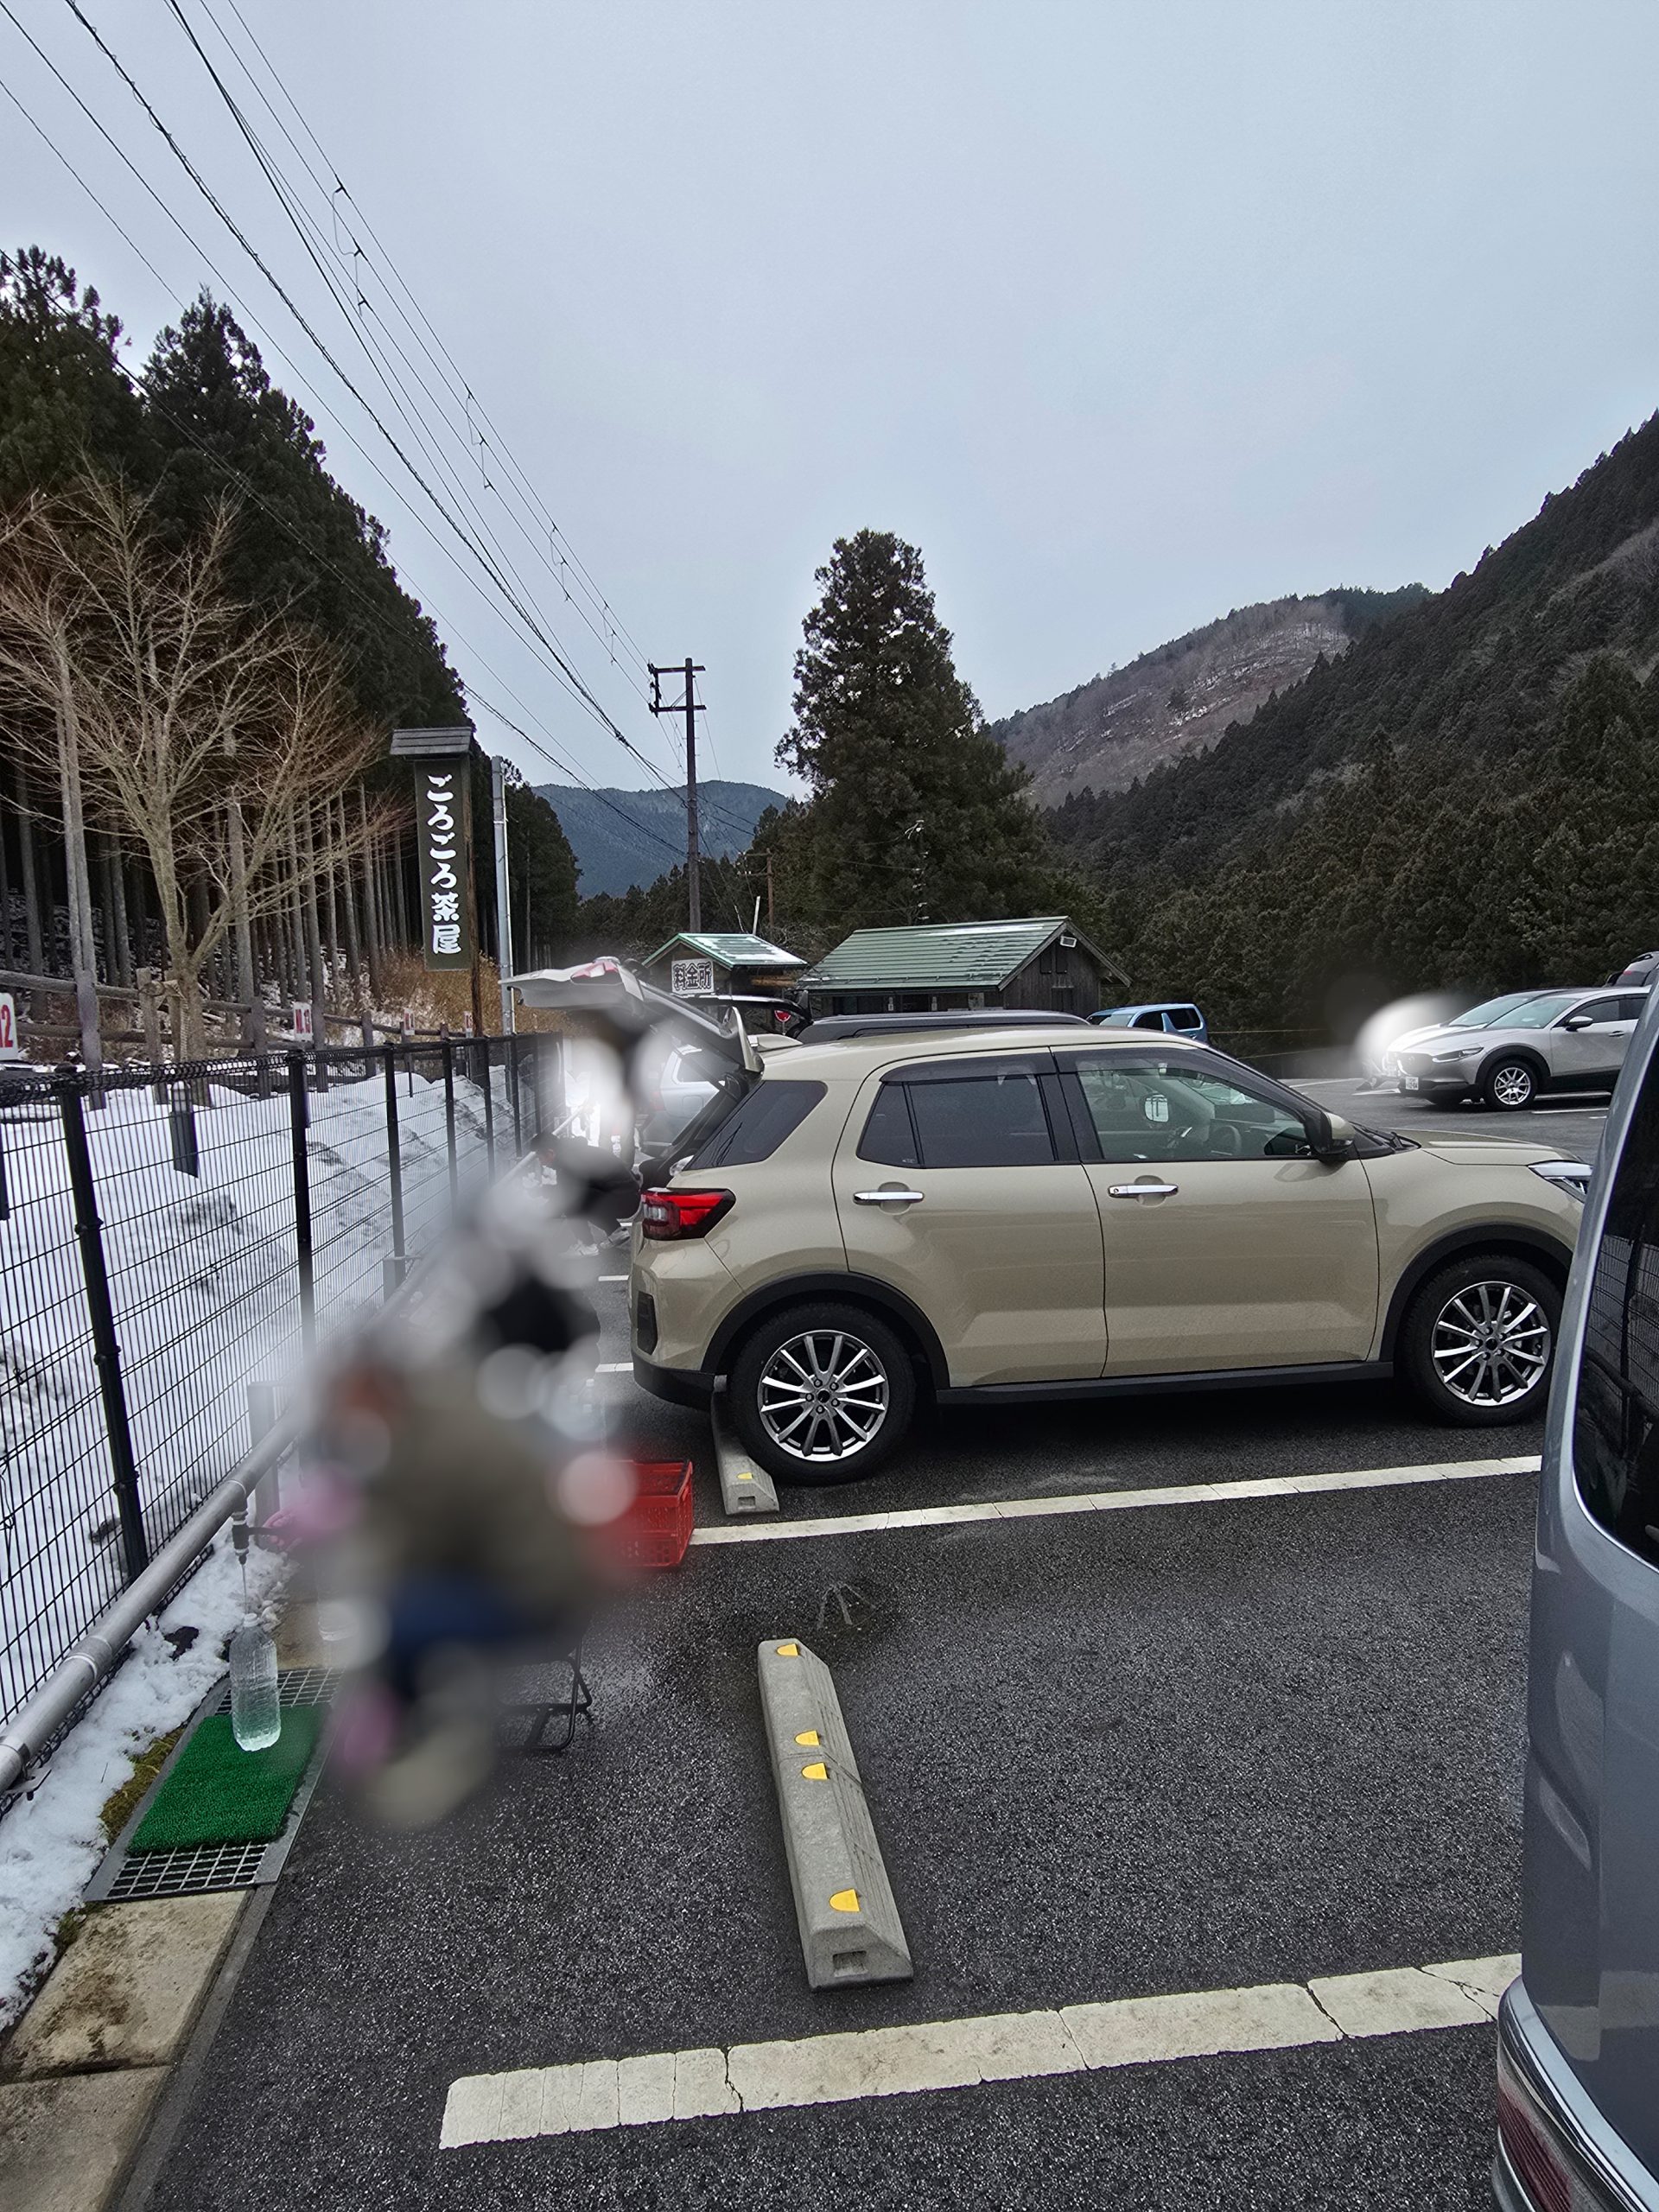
[218, 1793]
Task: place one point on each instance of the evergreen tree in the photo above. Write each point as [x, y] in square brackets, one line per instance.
[224, 429]
[916, 814]
[65, 406]
[542, 878]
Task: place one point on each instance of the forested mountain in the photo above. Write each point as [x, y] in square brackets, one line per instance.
[1469, 797]
[1182, 696]
[624, 838]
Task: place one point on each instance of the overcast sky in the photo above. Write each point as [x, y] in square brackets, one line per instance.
[1125, 314]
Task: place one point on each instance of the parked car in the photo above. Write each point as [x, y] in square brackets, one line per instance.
[1558, 1040]
[1007, 1216]
[1577, 2055]
[1174, 1017]
[1485, 1015]
[1642, 970]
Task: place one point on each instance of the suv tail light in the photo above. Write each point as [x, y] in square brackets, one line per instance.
[668, 1216]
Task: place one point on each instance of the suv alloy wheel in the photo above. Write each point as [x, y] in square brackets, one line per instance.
[822, 1392]
[1509, 1084]
[1478, 1341]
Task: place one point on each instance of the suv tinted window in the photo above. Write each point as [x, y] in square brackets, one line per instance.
[1175, 1109]
[766, 1116]
[977, 1120]
[989, 1121]
[1630, 1005]
[888, 1137]
[1599, 1010]
[1616, 1424]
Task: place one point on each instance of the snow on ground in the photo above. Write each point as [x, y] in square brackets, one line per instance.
[54, 1839]
[204, 1280]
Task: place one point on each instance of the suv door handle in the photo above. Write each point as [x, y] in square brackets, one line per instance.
[1142, 1190]
[887, 1198]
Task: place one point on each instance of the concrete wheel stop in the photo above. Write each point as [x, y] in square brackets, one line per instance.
[848, 1920]
[745, 1489]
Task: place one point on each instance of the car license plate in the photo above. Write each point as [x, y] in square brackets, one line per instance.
[1407, 1082]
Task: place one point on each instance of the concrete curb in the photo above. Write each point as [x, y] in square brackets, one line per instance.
[83, 2068]
[848, 1920]
[745, 1489]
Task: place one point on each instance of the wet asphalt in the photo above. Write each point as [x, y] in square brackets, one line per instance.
[1107, 1755]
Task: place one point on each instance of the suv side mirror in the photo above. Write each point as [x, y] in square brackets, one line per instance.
[1578, 1021]
[1331, 1135]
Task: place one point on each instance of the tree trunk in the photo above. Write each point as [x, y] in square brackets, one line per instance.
[313, 932]
[297, 969]
[371, 918]
[5, 897]
[247, 988]
[29, 881]
[348, 906]
[83, 956]
[325, 834]
[120, 933]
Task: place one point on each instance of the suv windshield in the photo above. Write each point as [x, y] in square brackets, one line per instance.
[1491, 1010]
[1539, 1013]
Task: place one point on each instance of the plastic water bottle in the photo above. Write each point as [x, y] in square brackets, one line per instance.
[256, 1717]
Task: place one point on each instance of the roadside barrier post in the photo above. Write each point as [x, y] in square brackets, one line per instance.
[515, 1053]
[106, 1352]
[298, 1118]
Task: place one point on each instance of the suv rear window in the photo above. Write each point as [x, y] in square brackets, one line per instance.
[1616, 1423]
[979, 1121]
[758, 1124]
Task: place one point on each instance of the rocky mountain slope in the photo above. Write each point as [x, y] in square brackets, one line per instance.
[1181, 697]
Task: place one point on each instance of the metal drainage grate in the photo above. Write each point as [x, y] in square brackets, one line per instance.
[202, 1867]
[299, 1685]
[187, 1873]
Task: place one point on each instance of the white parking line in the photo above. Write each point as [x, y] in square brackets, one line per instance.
[1110, 1501]
[614, 1366]
[838, 2069]
[612, 1278]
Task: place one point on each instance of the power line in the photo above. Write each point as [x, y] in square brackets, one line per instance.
[551, 757]
[550, 649]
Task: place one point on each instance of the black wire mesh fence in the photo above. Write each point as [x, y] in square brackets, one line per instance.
[171, 1242]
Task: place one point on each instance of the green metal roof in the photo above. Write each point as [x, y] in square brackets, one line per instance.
[954, 956]
[729, 948]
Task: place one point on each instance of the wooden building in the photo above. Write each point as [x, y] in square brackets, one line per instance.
[1045, 963]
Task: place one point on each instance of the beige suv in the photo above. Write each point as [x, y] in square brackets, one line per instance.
[1001, 1215]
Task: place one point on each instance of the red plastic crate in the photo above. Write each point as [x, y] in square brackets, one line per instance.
[657, 1527]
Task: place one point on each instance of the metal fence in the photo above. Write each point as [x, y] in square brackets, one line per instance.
[172, 1239]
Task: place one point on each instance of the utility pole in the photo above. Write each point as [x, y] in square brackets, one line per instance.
[503, 899]
[690, 669]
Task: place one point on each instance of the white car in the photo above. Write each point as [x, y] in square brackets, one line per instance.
[1387, 1071]
[1553, 1041]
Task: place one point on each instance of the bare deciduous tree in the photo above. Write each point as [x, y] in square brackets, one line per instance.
[199, 729]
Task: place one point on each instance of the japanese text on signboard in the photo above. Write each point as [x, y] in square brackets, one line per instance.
[442, 816]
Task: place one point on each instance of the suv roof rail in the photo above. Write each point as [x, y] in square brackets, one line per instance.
[830, 1027]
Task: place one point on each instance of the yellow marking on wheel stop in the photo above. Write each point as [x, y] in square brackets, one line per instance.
[817, 1772]
[789, 1651]
[746, 1479]
[808, 1736]
[844, 1901]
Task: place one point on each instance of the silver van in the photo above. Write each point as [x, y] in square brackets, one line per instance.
[1578, 2058]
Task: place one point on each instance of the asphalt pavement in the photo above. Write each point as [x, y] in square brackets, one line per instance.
[1190, 1746]
[1177, 1748]
[1572, 1122]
